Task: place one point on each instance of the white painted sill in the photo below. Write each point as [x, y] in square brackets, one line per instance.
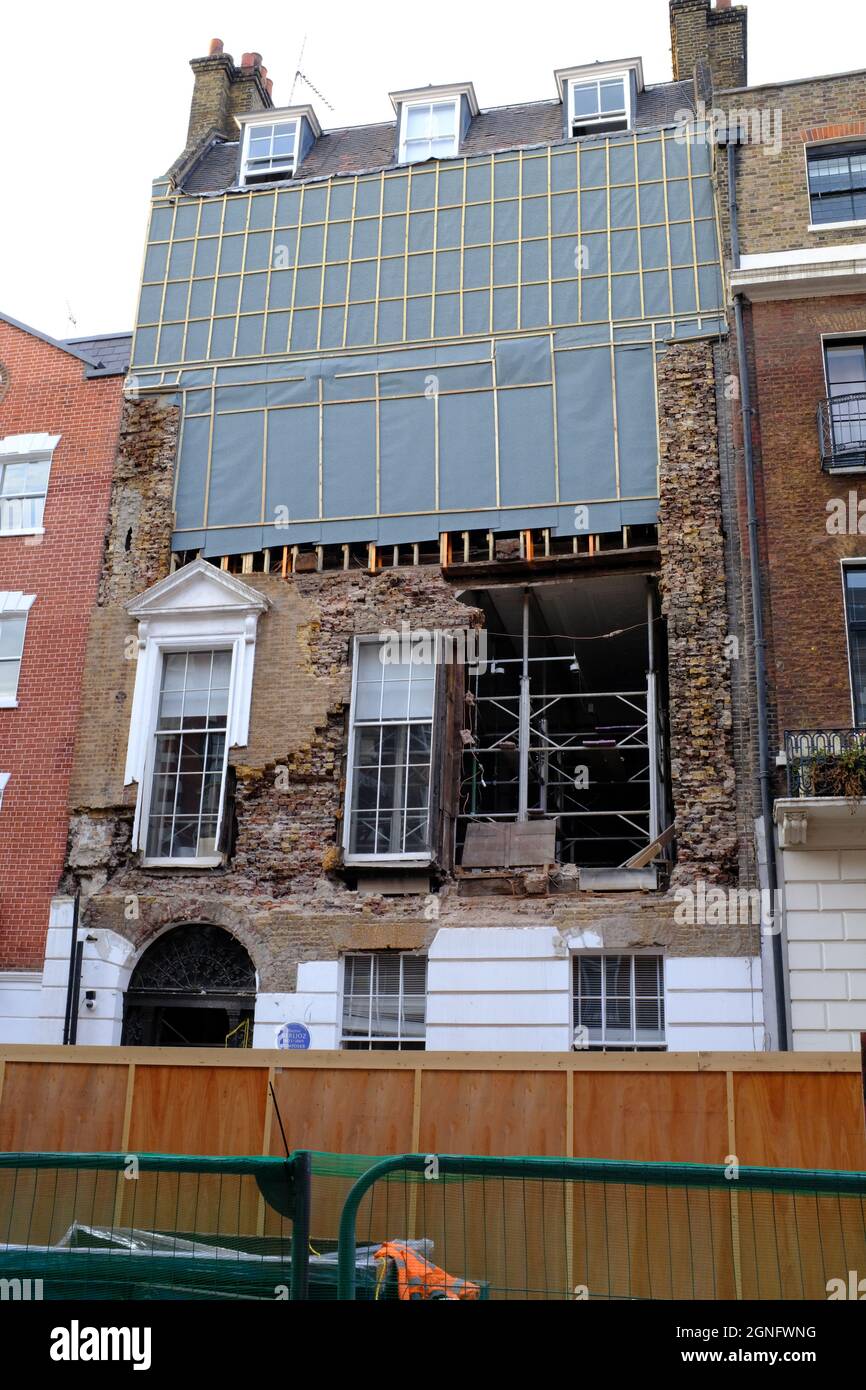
[209, 861]
[387, 861]
[8, 702]
[32, 531]
[835, 226]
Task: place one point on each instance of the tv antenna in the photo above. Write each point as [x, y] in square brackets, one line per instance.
[300, 76]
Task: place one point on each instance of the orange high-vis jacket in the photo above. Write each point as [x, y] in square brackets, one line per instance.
[417, 1278]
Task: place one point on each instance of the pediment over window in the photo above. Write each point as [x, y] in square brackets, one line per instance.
[197, 589]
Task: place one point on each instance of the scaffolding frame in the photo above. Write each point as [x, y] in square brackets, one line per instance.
[527, 729]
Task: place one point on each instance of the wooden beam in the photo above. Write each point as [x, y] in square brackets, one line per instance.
[648, 853]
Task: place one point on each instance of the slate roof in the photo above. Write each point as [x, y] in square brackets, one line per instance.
[107, 354]
[354, 149]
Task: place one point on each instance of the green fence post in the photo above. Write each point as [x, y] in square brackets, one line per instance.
[302, 1167]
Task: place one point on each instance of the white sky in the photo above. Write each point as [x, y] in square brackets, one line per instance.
[94, 101]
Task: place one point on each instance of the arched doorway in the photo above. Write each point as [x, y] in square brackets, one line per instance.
[194, 987]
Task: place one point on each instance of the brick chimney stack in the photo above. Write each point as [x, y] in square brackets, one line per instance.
[712, 39]
[222, 91]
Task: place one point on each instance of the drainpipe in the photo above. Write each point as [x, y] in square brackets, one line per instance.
[764, 775]
[76, 951]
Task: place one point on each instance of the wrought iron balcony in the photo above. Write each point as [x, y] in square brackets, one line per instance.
[842, 432]
[826, 762]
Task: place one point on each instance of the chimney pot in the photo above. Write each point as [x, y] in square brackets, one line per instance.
[216, 47]
[723, 4]
[251, 60]
[269, 84]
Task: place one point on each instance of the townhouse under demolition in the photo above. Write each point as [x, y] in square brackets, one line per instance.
[475, 378]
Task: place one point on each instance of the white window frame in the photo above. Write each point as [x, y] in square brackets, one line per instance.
[4, 782]
[16, 605]
[406, 106]
[850, 562]
[410, 860]
[166, 647]
[198, 608]
[603, 118]
[353, 1043]
[286, 168]
[25, 448]
[828, 145]
[633, 1044]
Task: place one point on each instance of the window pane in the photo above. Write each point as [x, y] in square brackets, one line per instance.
[584, 97]
[613, 96]
[9, 678]
[417, 122]
[444, 113]
[846, 364]
[11, 637]
[395, 700]
[14, 479]
[855, 580]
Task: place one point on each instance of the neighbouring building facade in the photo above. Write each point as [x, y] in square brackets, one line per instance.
[59, 416]
[798, 266]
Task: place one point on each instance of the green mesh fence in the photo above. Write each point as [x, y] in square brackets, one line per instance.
[115, 1226]
[530, 1228]
[112, 1226]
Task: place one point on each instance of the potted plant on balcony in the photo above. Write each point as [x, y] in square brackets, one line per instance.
[841, 773]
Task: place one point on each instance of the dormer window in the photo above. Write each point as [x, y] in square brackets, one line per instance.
[274, 143]
[431, 121]
[270, 151]
[430, 130]
[598, 106]
[599, 97]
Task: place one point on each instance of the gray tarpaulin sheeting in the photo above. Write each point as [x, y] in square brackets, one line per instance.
[398, 446]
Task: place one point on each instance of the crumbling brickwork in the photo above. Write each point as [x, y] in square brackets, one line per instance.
[138, 546]
[694, 601]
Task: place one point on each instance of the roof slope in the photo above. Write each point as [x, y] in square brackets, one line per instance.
[354, 149]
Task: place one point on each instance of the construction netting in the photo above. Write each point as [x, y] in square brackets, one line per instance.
[113, 1226]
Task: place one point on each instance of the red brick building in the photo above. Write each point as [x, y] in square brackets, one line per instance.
[59, 412]
[797, 263]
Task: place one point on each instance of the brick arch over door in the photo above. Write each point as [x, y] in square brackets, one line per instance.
[193, 986]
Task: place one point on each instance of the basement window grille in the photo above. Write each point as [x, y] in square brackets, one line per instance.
[270, 150]
[390, 752]
[619, 1003]
[837, 183]
[189, 756]
[384, 1002]
[599, 105]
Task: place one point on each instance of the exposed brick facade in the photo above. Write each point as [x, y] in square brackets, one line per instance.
[48, 393]
[703, 782]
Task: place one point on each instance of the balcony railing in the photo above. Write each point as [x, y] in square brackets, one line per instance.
[842, 432]
[826, 762]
